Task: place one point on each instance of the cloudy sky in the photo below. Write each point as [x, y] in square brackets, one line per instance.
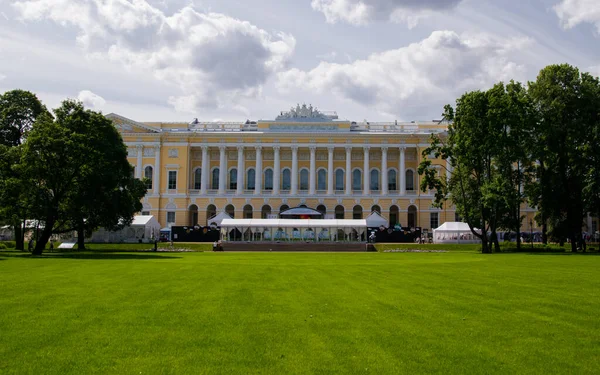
[380, 60]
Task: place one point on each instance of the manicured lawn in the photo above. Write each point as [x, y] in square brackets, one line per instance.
[290, 313]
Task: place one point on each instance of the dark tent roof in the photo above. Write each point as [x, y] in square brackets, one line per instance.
[300, 211]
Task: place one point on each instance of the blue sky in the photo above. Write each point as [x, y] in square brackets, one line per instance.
[380, 60]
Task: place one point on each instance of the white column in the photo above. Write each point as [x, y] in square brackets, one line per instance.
[205, 172]
[156, 182]
[222, 169]
[294, 170]
[348, 170]
[313, 172]
[589, 224]
[448, 170]
[330, 170]
[402, 172]
[366, 174]
[258, 172]
[276, 171]
[240, 171]
[384, 171]
[138, 168]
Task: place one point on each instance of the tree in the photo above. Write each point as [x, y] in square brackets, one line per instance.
[568, 103]
[78, 168]
[18, 111]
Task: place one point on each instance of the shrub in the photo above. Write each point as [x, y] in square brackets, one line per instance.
[8, 244]
[2, 246]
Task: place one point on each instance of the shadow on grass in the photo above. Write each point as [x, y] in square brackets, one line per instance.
[595, 253]
[94, 255]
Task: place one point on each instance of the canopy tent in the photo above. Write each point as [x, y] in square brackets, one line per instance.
[293, 229]
[218, 219]
[143, 227]
[376, 220]
[454, 232]
[300, 212]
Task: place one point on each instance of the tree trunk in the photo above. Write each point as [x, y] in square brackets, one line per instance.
[40, 245]
[19, 242]
[496, 243]
[574, 242]
[545, 232]
[80, 236]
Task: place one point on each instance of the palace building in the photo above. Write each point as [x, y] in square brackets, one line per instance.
[257, 169]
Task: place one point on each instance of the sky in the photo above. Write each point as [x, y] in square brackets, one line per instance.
[232, 60]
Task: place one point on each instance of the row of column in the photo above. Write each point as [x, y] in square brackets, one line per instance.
[294, 179]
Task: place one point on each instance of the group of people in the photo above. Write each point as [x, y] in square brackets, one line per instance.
[218, 246]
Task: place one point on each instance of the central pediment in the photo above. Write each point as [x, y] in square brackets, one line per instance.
[304, 113]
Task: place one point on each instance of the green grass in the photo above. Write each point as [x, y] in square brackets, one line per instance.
[294, 313]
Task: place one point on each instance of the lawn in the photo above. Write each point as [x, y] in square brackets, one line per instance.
[294, 313]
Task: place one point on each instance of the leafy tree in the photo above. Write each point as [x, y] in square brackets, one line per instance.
[78, 168]
[568, 103]
[18, 111]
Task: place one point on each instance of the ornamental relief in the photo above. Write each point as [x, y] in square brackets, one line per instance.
[339, 155]
[410, 154]
[231, 155]
[214, 155]
[303, 155]
[286, 155]
[173, 153]
[268, 155]
[357, 155]
[131, 152]
[197, 155]
[322, 155]
[375, 155]
[149, 151]
[250, 155]
[393, 155]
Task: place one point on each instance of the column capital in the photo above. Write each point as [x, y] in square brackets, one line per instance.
[348, 148]
[402, 148]
[276, 148]
[294, 148]
[366, 148]
[258, 148]
[204, 147]
[312, 148]
[139, 147]
[222, 148]
[157, 146]
[240, 148]
[384, 148]
[330, 148]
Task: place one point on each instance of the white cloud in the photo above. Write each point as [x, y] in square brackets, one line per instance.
[89, 99]
[573, 12]
[359, 12]
[2, 77]
[214, 60]
[410, 80]
[594, 70]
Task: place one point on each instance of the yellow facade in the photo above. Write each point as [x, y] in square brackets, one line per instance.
[170, 153]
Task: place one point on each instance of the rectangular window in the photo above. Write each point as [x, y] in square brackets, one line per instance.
[172, 180]
[145, 213]
[457, 217]
[433, 220]
[170, 217]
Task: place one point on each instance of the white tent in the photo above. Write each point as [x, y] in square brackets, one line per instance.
[454, 232]
[218, 219]
[143, 227]
[296, 229]
[376, 220]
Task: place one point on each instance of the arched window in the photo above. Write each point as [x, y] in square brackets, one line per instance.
[356, 180]
[339, 179]
[374, 179]
[148, 175]
[322, 209]
[410, 180]
[286, 179]
[198, 179]
[247, 212]
[215, 179]
[304, 179]
[269, 180]
[265, 211]
[339, 212]
[211, 211]
[394, 215]
[357, 212]
[322, 179]
[376, 208]
[392, 180]
[230, 210]
[250, 179]
[233, 179]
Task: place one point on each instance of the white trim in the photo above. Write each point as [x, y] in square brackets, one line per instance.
[193, 204]
[412, 204]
